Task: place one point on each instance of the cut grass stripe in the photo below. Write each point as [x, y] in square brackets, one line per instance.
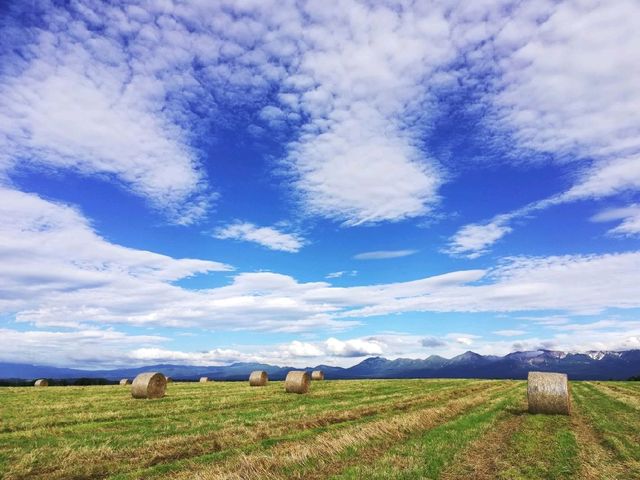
[617, 423]
[543, 448]
[426, 455]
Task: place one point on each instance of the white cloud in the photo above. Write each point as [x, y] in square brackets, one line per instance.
[91, 348]
[303, 349]
[565, 85]
[269, 237]
[49, 251]
[473, 240]
[57, 271]
[364, 81]
[351, 273]
[384, 254]
[217, 356]
[77, 99]
[567, 78]
[606, 178]
[335, 274]
[629, 216]
[353, 348]
[577, 284]
[582, 337]
[465, 339]
[355, 82]
[510, 333]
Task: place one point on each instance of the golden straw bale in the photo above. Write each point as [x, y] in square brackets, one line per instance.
[125, 381]
[42, 382]
[548, 393]
[258, 378]
[149, 385]
[317, 375]
[297, 382]
[204, 379]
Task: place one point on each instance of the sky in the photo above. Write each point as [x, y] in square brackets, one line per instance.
[306, 183]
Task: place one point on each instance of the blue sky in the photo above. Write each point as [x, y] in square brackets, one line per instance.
[304, 183]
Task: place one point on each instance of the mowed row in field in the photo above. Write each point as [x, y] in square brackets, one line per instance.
[410, 429]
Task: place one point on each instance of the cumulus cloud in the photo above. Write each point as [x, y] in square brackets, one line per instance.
[268, 237]
[353, 348]
[76, 96]
[384, 254]
[629, 219]
[121, 91]
[365, 77]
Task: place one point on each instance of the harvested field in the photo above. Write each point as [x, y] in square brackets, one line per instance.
[410, 429]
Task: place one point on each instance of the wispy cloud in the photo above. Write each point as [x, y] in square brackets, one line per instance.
[510, 333]
[474, 240]
[268, 237]
[384, 254]
[629, 219]
[350, 273]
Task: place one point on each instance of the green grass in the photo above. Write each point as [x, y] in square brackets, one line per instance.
[408, 429]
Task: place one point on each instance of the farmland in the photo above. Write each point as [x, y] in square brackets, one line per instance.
[379, 429]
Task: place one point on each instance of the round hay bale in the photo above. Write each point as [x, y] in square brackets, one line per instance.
[258, 378]
[149, 385]
[125, 381]
[169, 380]
[317, 375]
[297, 382]
[204, 379]
[548, 393]
[42, 382]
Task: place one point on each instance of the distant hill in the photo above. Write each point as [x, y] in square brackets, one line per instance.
[593, 365]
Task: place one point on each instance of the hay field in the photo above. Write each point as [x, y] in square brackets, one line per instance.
[373, 429]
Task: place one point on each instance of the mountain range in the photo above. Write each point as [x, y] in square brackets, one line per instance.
[592, 365]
